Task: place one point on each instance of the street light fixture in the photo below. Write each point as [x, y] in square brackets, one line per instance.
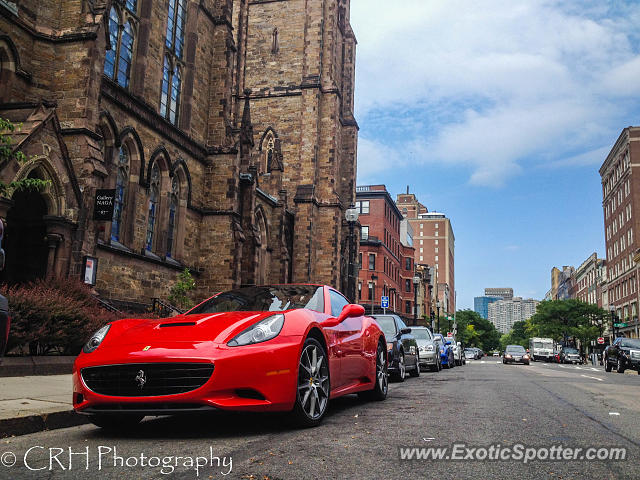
[351, 215]
[373, 290]
[416, 281]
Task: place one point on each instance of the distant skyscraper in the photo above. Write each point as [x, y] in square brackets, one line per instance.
[505, 293]
[481, 305]
[504, 313]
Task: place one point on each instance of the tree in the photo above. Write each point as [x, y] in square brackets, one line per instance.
[475, 331]
[8, 153]
[567, 321]
[179, 292]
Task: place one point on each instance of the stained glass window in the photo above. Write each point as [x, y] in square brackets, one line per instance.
[173, 207]
[171, 76]
[121, 185]
[110, 58]
[154, 191]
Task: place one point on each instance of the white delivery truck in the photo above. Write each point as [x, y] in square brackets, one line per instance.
[541, 348]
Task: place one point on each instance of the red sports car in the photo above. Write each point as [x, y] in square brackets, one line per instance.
[265, 348]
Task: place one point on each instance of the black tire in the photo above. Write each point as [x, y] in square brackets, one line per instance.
[607, 365]
[619, 366]
[434, 368]
[314, 385]
[416, 371]
[381, 387]
[401, 373]
[116, 421]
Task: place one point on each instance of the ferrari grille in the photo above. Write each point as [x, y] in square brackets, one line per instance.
[146, 379]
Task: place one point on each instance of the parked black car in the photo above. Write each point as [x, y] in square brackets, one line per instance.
[402, 347]
[622, 354]
[569, 355]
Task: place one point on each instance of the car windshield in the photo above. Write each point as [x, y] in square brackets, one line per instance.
[421, 333]
[630, 342]
[275, 298]
[537, 344]
[515, 349]
[387, 325]
[570, 350]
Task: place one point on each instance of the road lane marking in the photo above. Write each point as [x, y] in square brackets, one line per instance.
[595, 378]
[614, 413]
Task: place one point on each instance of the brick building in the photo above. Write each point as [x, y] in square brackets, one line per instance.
[620, 203]
[225, 128]
[387, 266]
[434, 244]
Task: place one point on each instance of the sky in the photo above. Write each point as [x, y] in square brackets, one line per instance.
[498, 113]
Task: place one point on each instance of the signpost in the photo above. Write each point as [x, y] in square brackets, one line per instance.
[620, 325]
[600, 340]
[384, 303]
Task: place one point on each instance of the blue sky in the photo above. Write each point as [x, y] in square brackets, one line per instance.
[499, 114]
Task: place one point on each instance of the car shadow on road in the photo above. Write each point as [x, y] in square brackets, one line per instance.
[225, 424]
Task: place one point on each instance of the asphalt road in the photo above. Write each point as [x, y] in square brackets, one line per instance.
[481, 404]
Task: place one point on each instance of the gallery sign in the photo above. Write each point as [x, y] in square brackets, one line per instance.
[103, 205]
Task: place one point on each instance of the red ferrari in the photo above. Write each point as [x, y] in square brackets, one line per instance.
[265, 348]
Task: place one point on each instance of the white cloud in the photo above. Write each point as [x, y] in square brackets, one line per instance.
[498, 85]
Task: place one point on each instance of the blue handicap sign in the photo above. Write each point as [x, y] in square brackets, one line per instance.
[384, 302]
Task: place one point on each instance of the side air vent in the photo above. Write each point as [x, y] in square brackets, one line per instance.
[178, 324]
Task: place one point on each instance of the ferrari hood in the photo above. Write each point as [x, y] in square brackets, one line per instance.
[209, 327]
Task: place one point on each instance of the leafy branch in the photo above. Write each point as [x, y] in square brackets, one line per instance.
[7, 154]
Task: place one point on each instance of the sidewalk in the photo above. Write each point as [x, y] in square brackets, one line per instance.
[31, 403]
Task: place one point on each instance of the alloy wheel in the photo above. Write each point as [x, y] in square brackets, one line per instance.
[381, 371]
[313, 381]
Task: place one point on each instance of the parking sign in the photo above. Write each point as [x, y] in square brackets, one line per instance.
[384, 302]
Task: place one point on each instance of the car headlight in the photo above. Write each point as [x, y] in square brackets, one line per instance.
[429, 348]
[526, 357]
[96, 339]
[507, 356]
[262, 331]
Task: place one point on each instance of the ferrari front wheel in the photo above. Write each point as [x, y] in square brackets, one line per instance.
[312, 393]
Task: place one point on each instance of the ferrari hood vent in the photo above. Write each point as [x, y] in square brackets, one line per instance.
[178, 324]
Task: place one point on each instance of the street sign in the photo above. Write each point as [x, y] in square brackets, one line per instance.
[384, 302]
[449, 334]
[600, 340]
[620, 325]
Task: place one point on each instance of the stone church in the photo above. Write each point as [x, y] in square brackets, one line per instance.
[225, 128]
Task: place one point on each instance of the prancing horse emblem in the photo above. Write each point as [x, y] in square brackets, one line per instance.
[141, 379]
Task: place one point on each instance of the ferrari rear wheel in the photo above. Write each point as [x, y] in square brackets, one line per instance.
[381, 387]
[312, 395]
[115, 422]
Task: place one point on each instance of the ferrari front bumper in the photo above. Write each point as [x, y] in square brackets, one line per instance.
[260, 377]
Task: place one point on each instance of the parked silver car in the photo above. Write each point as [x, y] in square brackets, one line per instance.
[429, 354]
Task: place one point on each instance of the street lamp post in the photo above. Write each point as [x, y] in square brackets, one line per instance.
[612, 309]
[438, 316]
[373, 290]
[416, 281]
[351, 215]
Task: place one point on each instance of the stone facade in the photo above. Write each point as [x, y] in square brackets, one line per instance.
[246, 182]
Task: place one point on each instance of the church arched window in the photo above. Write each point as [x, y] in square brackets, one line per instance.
[154, 194]
[118, 59]
[173, 212]
[122, 178]
[171, 74]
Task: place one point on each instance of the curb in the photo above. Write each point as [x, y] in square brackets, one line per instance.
[44, 365]
[13, 427]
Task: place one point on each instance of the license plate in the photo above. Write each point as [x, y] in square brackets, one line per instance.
[517, 358]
